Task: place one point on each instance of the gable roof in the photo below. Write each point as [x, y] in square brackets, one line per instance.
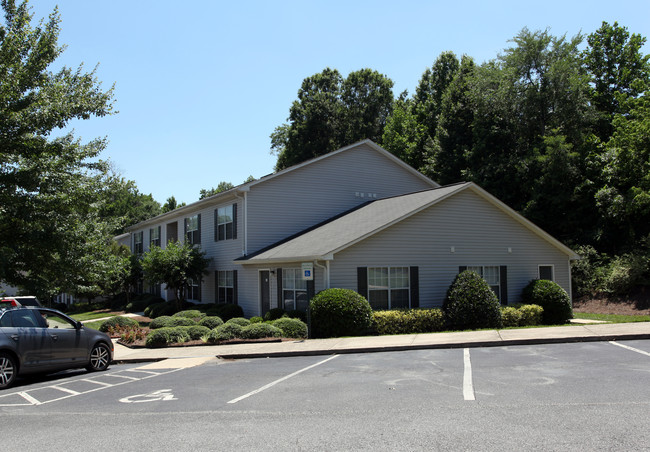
[323, 241]
[233, 192]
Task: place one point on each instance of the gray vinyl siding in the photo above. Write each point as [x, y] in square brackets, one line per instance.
[288, 204]
[480, 234]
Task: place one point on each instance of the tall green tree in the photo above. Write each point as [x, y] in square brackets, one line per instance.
[176, 266]
[171, 204]
[331, 112]
[123, 201]
[48, 186]
[618, 71]
[223, 186]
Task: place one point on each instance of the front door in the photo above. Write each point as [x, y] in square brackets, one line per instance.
[265, 291]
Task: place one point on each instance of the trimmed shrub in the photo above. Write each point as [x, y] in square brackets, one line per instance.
[531, 315]
[260, 330]
[169, 322]
[118, 322]
[159, 309]
[510, 317]
[140, 303]
[196, 332]
[340, 312]
[408, 321]
[274, 314]
[471, 304]
[297, 314]
[225, 332]
[256, 319]
[193, 314]
[552, 298]
[240, 321]
[294, 328]
[164, 336]
[226, 311]
[211, 321]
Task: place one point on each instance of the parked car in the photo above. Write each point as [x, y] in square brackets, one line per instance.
[22, 300]
[43, 340]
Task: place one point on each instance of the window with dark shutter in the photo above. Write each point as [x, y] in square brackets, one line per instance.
[362, 281]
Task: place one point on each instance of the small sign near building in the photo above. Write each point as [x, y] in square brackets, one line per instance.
[307, 271]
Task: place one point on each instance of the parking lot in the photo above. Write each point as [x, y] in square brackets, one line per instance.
[583, 396]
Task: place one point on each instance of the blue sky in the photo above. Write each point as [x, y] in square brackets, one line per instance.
[200, 85]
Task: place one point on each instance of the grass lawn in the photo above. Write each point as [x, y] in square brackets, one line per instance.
[89, 315]
[613, 318]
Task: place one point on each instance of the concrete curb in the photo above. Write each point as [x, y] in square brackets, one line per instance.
[401, 348]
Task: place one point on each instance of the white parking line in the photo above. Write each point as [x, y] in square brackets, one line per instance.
[71, 393]
[468, 386]
[273, 383]
[630, 348]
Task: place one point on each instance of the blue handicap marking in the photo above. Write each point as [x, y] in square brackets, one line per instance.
[307, 273]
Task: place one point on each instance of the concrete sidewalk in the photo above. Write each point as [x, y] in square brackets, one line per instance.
[368, 344]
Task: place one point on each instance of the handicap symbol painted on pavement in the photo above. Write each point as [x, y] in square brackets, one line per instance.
[163, 394]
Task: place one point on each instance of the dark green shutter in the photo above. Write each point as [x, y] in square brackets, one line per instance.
[362, 281]
[198, 240]
[216, 286]
[414, 281]
[234, 221]
[462, 268]
[234, 287]
[278, 275]
[216, 225]
[503, 279]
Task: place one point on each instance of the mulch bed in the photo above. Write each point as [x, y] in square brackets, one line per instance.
[638, 303]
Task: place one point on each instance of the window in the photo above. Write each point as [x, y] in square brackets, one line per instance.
[154, 237]
[138, 246]
[545, 272]
[490, 274]
[225, 219]
[226, 287]
[193, 229]
[154, 289]
[194, 290]
[294, 290]
[388, 287]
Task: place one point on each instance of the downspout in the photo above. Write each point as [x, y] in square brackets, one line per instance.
[326, 273]
[244, 221]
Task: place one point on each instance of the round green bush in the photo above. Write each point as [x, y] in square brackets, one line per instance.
[159, 309]
[510, 317]
[168, 322]
[256, 319]
[294, 328]
[196, 332]
[471, 304]
[297, 314]
[260, 330]
[211, 321]
[164, 336]
[226, 311]
[552, 298]
[531, 315]
[225, 332]
[340, 312]
[274, 314]
[408, 321]
[119, 322]
[239, 321]
[193, 314]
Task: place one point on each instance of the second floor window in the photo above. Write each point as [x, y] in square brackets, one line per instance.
[154, 237]
[225, 223]
[138, 245]
[193, 229]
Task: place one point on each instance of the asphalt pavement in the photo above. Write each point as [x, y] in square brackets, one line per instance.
[588, 332]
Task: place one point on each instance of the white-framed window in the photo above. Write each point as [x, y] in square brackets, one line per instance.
[546, 272]
[491, 275]
[154, 236]
[294, 290]
[226, 287]
[225, 223]
[194, 290]
[138, 245]
[193, 229]
[388, 287]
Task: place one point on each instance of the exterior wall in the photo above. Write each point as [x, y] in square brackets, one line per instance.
[480, 234]
[292, 202]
